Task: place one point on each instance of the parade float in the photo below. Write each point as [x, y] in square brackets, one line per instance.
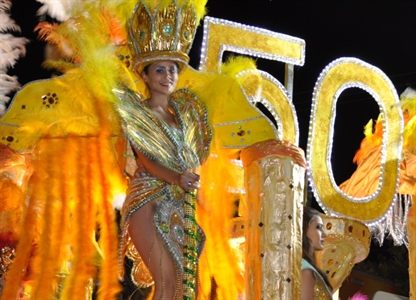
[65, 157]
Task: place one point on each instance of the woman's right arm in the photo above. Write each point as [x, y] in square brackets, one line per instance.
[182, 179]
[308, 284]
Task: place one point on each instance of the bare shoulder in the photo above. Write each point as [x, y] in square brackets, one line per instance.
[308, 284]
[308, 274]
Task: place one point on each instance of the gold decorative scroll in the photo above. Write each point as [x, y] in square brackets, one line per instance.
[339, 75]
[274, 181]
[347, 243]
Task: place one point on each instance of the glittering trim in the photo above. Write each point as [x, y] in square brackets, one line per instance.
[383, 145]
[238, 122]
[193, 106]
[282, 125]
[9, 124]
[142, 203]
[253, 100]
[128, 210]
[141, 62]
[166, 237]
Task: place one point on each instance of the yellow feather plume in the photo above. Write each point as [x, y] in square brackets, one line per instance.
[76, 160]
[237, 64]
[408, 104]
[219, 260]
[410, 135]
[373, 138]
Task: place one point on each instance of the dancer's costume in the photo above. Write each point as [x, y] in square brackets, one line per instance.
[321, 289]
[165, 32]
[178, 149]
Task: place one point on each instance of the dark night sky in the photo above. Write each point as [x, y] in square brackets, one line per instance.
[381, 33]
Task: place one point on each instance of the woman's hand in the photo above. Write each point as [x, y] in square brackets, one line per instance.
[189, 181]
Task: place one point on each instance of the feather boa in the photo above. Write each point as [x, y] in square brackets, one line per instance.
[11, 49]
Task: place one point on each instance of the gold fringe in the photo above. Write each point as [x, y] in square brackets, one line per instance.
[46, 265]
[12, 207]
[83, 226]
[109, 285]
[27, 240]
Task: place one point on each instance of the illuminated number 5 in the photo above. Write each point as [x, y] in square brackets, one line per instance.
[221, 35]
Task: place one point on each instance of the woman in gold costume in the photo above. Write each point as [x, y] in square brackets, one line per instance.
[315, 285]
[170, 138]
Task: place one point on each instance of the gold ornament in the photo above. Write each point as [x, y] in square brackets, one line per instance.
[164, 32]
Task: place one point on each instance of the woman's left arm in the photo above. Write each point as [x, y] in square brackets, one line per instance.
[308, 284]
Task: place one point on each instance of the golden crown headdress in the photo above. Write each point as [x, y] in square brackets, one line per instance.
[163, 30]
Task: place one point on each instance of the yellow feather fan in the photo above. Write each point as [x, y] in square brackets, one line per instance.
[74, 133]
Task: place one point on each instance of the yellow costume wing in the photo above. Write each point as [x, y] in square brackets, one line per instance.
[77, 147]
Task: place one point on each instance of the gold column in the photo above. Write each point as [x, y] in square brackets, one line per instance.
[274, 183]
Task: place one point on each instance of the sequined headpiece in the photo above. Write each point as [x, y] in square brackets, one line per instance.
[163, 31]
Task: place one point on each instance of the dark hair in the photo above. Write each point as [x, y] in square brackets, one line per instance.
[309, 214]
[146, 68]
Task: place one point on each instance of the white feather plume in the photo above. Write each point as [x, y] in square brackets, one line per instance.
[58, 9]
[409, 92]
[11, 49]
[6, 23]
[5, 5]
[8, 84]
